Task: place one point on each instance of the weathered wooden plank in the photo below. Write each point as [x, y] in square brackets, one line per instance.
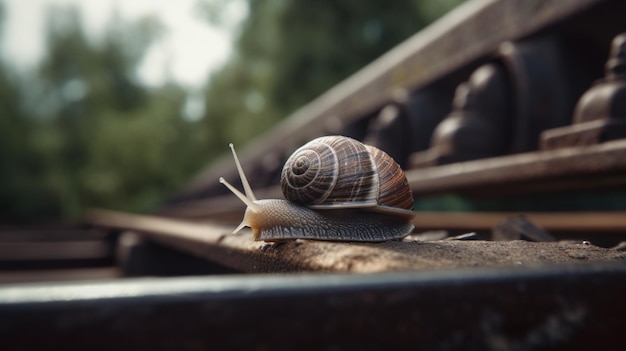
[570, 168]
[240, 252]
[59, 250]
[574, 168]
[13, 234]
[56, 275]
[228, 209]
[588, 222]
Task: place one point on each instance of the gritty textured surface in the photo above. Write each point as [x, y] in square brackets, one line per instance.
[240, 252]
[397, 256]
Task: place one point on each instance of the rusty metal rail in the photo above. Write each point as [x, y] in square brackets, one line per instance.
[415, 85]
[439, 294]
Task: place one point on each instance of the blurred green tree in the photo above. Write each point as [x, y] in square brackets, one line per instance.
[289, 52]
[20, 191]
[92, 135]
[82, 131]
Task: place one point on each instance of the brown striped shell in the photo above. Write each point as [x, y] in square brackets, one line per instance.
[334, 172]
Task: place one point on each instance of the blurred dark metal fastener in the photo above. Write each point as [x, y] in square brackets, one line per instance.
[601, 112]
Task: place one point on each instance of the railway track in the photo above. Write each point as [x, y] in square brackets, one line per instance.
[498, 131]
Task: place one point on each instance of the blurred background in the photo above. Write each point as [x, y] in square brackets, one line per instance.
[116, 104]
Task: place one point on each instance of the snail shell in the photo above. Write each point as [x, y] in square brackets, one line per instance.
[336, 189]
[336, 172]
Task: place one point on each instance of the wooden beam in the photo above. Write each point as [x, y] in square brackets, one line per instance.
[583, 222]
[56, 275]
[240, 252]
[570, 168]
[59, 250]
[588, 167]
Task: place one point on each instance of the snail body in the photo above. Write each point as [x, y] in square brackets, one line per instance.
[337, 189]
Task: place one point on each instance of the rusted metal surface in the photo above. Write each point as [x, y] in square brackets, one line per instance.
[481, 107]
[547, 77]
[530, 86]
[601, 112]
[556, 308]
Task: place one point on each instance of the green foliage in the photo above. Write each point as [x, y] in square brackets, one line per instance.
[289, 52]
[97, 138]
[19, 166]
[82, 132]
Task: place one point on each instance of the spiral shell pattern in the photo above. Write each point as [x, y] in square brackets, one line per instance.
[394, 191]
[341, 172]
[310, 174]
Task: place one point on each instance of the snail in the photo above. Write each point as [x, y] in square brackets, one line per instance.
[337, 189]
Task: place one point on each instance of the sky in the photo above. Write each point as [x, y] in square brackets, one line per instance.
[178, 52]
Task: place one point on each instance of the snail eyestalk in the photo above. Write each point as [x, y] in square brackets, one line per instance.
[251, 205]
[248, 198]
[242, 175]
[249, 202]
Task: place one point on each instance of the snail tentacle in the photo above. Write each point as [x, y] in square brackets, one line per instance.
[242, 175]
[246, 200]
[252, 206]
